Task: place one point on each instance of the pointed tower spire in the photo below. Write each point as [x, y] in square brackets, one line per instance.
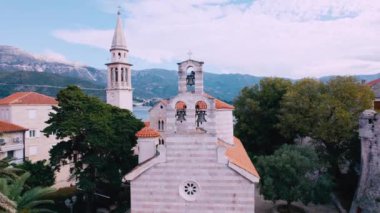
[119, 41]
[119, 81]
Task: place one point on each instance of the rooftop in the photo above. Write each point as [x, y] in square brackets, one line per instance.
[147, 132]
[28, 98]
[238, 156]
[9, 127]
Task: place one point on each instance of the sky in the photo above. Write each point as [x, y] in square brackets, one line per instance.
[284, 38]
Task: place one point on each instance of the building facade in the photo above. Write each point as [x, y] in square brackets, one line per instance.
[31, 110]
[12, 139]
[119, 82]
[189, 159]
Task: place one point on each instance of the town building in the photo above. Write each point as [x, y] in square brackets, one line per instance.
[31, 110]
[119, 82]
[12, 138]
[189, 159]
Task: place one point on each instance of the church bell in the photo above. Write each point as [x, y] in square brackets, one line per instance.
[190, 79]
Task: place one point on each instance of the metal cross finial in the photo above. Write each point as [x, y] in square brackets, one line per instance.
[118, 10]
[189, 54]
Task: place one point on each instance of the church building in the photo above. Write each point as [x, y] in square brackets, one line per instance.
[189, 159]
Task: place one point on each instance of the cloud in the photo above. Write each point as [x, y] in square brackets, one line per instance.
[288, 38]
[52, 56]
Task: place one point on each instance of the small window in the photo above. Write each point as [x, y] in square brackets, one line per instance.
[32, 133]
[116, 75]
[11, 154]
[32, 113]
[119, 54]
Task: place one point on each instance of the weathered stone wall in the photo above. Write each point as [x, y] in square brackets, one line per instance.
[191, 157]
[367, 197]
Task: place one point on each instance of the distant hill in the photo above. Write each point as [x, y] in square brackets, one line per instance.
[45, 83]
[20, 67]
[14, 59]
[162, 83]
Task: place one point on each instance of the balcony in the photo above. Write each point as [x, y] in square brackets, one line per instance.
[11, 144]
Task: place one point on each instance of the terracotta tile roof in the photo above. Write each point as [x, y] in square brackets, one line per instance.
[147, 132]
[222, 105]
[371, 83]
[28, 98]
[238, 156]
[218, 103]
[9, 127]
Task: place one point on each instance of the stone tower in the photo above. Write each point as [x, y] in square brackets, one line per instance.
[119, 84]
[367, 197]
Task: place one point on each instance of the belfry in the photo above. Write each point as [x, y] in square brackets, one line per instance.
[119, 82]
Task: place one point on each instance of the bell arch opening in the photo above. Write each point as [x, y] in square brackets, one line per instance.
[200, 112]
[180, 107]
[190, 79]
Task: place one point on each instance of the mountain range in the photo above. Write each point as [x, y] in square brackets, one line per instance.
[22, 71]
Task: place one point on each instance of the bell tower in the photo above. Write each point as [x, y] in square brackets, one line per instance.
[190, 76]
[119, 83]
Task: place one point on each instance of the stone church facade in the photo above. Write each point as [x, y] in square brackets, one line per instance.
[189, 159]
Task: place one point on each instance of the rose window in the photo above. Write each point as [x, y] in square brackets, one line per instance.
[189, 190]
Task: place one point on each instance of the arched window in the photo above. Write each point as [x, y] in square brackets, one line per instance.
[119, 54]
[116, 75]
[112, 75]
[180, 107]
[122, 74]
[159, 125]
[162, 126]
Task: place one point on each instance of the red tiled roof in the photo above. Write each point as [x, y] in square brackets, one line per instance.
[147, 132]
[371, 83]
[238, 156]
[9, 127]
[28, 98]
[218, 103]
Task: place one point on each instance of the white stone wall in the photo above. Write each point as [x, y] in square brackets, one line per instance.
[225, 127]
[368, 191]
[147, 148]
[4, 113]
[33, 117]
[121, 98]
[191, 157]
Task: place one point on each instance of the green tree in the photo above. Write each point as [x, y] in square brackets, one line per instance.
[96, 141]
[328, 113]
[256, 111]
[25, 201]
[294, 173]
[9, 171]
[42, 174]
